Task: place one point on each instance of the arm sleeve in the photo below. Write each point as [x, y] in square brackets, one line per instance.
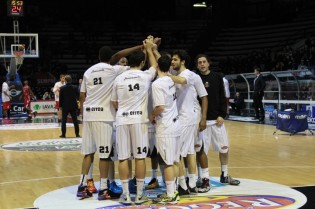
[158, 96]
[222, 98]
[199, 86]
[114, 96]
[83, 85]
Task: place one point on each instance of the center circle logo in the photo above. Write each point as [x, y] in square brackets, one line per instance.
[250, 194]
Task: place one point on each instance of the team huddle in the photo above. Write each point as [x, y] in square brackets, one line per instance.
[166, 112]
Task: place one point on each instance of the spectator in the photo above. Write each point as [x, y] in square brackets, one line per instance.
[238, 103]
[46, 96]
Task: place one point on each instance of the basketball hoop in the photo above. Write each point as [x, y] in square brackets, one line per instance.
[19, 55]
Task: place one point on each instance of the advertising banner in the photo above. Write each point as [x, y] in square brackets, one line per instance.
[291, 121]
[43, 106]
[310, 109]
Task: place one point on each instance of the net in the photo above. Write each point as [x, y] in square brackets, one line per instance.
[19, 57]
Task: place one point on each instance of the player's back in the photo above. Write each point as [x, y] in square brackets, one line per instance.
[131, 92]
[164, 93]
[97, 83]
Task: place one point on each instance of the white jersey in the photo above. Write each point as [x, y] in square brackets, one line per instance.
[131, 92]
[56, 89]
[226, 87]
[98, 83]
[164, 94]
[187, 103]
[201, 90]
[5, 88]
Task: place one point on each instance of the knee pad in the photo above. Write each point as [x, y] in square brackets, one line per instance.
[224, 149]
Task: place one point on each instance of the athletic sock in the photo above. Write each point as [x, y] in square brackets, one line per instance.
[103, 183]
[224, 169]
[182, 182]
[140, 183]
[154, 173]
[125, 186]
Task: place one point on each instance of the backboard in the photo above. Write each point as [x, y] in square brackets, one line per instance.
[10, 45]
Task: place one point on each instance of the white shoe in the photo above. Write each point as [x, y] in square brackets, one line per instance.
[141, 199]
[125, 199]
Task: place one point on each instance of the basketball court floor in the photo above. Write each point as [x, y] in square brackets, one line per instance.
[41, 170]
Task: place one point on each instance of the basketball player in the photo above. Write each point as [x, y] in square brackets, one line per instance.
[6, 98]
[187, 105]
[27, 92]
[215, 132]
[98, 117]
[56, 91]
[154, 183]
[165, 115]
[130, 98]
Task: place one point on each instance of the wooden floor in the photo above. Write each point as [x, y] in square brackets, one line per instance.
[255, 153]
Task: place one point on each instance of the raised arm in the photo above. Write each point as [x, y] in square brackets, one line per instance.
[148, 44]
[124, 53]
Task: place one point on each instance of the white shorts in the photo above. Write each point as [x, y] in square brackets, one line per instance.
[166, 147]
[215, 136]
[97, 137]
[132, 139]
[186, 144]
[152, 139]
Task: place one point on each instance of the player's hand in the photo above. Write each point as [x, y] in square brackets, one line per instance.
[219, 121]
[157, 41]
[152, 118]
[202, 125]
[150, 38]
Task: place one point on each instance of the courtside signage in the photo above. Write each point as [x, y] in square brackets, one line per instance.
[50, 145]
[43, 106]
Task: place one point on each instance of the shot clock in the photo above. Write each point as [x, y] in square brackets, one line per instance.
[15, 8]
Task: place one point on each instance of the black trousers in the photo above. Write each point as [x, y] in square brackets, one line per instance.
[74, 117]
[258, 105]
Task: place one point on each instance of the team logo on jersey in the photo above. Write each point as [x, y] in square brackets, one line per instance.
[94, 109]
[125, 114]
[53, 145]
[219, 202]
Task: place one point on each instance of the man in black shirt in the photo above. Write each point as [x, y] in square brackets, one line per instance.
[215, 132]
[68, 102]
[259, 87]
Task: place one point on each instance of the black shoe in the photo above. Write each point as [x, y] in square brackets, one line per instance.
[77, 136]
[106, 194]
[205, 186]
[182, 191]
[229, 180]
[192, 190]
[83, 192]
[62, 136]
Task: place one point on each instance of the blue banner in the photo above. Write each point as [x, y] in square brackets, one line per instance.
[292, 122]
[310, 109]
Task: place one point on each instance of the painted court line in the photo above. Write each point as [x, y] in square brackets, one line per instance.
[60, 177]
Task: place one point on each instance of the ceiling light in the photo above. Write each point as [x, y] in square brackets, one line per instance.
[202, 4]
